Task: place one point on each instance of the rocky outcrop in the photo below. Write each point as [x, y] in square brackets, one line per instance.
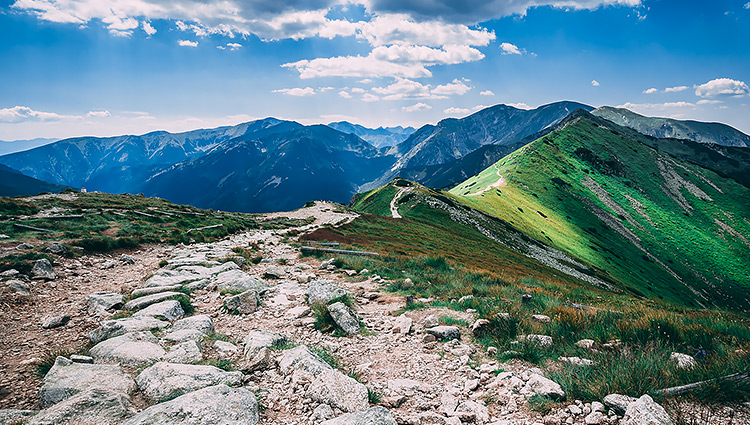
[344, 318]
[93, 406]
[338, 391]
[373, 416]
[66, 379]
[131, 349]
[301, 358]
[163, 381]
[324, 291]
[645, 411]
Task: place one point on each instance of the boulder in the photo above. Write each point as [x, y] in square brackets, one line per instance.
[542, 341]
[103, 302]
[683, 361]
[170, 277]
[377, 415]
[154, 290]
[127, 259]
[577, 361]
[595, 418]
[112, 328]
[259, 339]
[55, 321]
[338, 391]
[471, 411]
[163, 381]
[239, 281]
[131, 349]
[301, 358]
[184, 352]
[261, 361]
[169, 310]
[619, 403]
[479, 327]
[145, 301]
[56, 248]
[444, 332]
[645, 411]
[25, 246]
[225, 349]
[15, 416]
[324, 291]
[274, 272]
[402, 325]
[95, 406]
[199, 322]
[42, 269]
[19, 288]
[587, 344]
[66, 379]
[541, 318]
[214, 405]
[344, 318]
[430, 321]
[539, 385]
[298, 312]
[244, 303]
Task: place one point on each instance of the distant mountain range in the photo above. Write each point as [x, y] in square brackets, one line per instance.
[13, 183]
[378, 137]
[7, 147]
[272, 164]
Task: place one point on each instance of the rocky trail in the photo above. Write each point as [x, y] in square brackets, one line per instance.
[198, 335]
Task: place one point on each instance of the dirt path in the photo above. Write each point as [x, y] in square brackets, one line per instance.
[394, 207]
[499, 183]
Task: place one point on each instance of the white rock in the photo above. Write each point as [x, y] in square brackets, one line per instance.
[169, 310]
[66, 379]
[645, 411]
[93, 406]
[338, 391]
[132, 349]
[538, 384]
[683, 361]
[184, 352]
[163, 381]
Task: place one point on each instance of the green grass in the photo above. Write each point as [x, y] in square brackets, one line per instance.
[452, 321]
[23, 262]
[327, 355]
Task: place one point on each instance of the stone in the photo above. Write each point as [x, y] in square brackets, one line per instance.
[539, 385]
[67, 378]
[214, 405]
[183, 335]
[154, 290]
[15, 416]
[586, 344]
[428, 338]
[298, 312]
[200, 322]
[471, 385]
[595, 418]
[131, 349]
[112, 328]
[261, 361]
[324, 291]
[402, 325]
[444, 332]
[479, 327]
[239, 281]
[77, 358]
[321, 413]
[597, 407]
[96, 406]
[55, 321]
[259, 339]
[127, 259]
[163, 381]
[42, 269]
[274, 272]
[469, 411]
[617, 402]
[56, 248]
[344, 318]
[377, 415]
[8, 274]
[526, 298]
[645, 411]
[225, 349]
[244, 303]
[683, 361]
[24, 246]
[577, 361]
[19, 288]
[145, 301]
[430, 321]
[575, 410]
[542, 341]
[302, 358]
[197, 285]
[541, 318]
[171, 277]
[403, 386]
[4, 237]
[491, 351]
[338, 391]
[169, 310]
[103, 302]
[184, 352]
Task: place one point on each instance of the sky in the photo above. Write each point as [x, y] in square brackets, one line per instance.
[110, 67]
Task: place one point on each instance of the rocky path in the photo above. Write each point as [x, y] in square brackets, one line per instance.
[394, 207]
[249, 352]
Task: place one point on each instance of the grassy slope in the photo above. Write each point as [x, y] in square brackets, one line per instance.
[544, 192]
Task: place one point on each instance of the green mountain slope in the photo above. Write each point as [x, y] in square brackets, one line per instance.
[659, 226]
[13, 183]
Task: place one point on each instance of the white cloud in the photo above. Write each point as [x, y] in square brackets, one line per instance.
[456, 111]
[358, 90]
[456, 87]
[747, 5]
[19, 114]
[509, 49]
[594, 83]
[667, 107]
[519, 105]
[416, 107]
[404, 88]
[299, 92]
[652, 90]
[356, 66]
[401, 29]
[722, 87]
[708, 102]
[233, 47]
[147, 28]
[345, 94]
[675, 89]
[369, 97]
[365, 81]
[187, 43]
[98, 114]
[486, 93]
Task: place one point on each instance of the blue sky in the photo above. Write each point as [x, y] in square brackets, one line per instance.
[107, 67]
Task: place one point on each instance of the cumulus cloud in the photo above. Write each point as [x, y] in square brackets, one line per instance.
[708, 102]
[19, 114]
[187, 43]
[519, 105]
[147, 28]
[675, 89]
[647, 108]
[652, 90]
[722, 87]
[509, 49]
[233, 47]
[345, 94]
[98, 114]
[594, 83]
[416, 107]
[404, 88]
[456, 87]
[299, 92]
[747, 5]
[486, 93]
[369, 97]
[456, 111]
